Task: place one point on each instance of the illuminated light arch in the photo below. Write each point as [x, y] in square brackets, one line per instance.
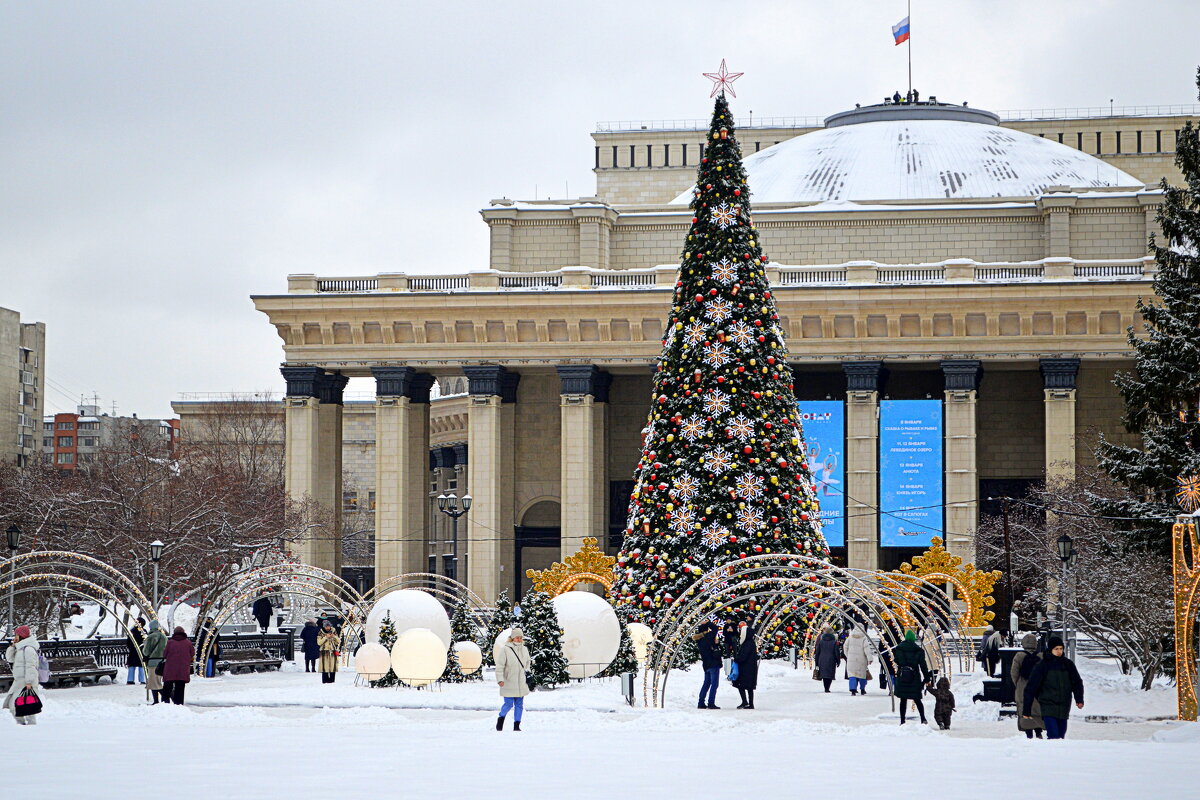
[974, 586]
[1185, 559]
[589, 564]
[52, 561]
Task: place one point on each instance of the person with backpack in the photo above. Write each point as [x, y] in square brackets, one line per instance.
[1023, 664]
[989, 650]
[152, 651]
[1053, 683]
[24, 658]
[826, 657]
[912, 673]
[133, 661]
[710, 662]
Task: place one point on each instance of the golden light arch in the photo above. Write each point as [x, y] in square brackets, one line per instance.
[588, 565]
[974, 586]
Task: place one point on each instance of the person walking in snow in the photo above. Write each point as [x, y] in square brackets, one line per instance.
[152, 652]
[912, 673]
[943, 707]
[1053, 683]
[178, 656]
[209, 638]
[133, 661]
[261, 611]
[328, 642]
[710, 662]
[512, 668]
[827, 656]
[989, 650]
[22, 658]
[747, 665]
[312, 650]
[1023, 664]
[859, 653]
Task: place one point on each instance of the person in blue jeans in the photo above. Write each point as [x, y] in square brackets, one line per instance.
[710, 662]
[134, 660]
[1054, 683]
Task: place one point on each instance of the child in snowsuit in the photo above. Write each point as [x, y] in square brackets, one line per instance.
[945, 704]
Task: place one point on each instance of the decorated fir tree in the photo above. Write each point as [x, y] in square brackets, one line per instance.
[722, 473]
[501, 618]
[543, 639]
[387, 638]
[462, 629]
[626, 659]
[1162, 393]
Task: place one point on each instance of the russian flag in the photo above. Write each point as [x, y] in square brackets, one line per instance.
[900, 31]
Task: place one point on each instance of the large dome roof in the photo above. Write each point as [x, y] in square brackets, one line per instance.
[918, 153]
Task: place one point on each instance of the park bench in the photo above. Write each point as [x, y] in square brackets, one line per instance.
[250, 660]
[65, 671]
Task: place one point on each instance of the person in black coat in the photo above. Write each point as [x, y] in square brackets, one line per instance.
[827, 655]
[912, 673]
[731, 639]
[1054, 683]
[747, 664]
[710, 662]
[262, 612]
[312, 651]
[134, 660]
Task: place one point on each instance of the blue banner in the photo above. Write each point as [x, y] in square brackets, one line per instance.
[910, 472]
[824, 423]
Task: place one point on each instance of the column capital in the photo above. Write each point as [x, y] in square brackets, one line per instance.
[1059, 373]
[402, 382]
[584, 379]
[864, 376]
[962, 375]
[492, 379]
[314, 382]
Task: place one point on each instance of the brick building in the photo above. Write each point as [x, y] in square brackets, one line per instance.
[73, 440]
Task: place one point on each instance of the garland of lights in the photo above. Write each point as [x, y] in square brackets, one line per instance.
[1185, 559]
[65, 558]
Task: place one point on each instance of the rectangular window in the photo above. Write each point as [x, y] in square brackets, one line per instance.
[666, 155]
[614, 147]
[1139, 141]
[47, 426]
[1079, 140]
[649, 159]
[1097, 142]
[66, 426]
[371, 501]
[433, 565]
[65, 458]
[66, 441]
[89, 426]
[47, 441]
[88, 441]
[597, 156]
[448, 567]
[685, 154]
[1118, 143]
[350, 501]
[632, 157]
[1060, 141]
[452, 483]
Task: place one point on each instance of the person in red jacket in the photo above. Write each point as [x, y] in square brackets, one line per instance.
[177, 666]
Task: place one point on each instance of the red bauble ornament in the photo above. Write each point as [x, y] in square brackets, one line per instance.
[747, 450]
[737, 192]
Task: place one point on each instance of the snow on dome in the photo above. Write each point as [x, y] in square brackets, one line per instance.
[911, 159]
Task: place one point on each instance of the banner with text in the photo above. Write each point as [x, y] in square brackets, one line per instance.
[910, 472]
[824, 423]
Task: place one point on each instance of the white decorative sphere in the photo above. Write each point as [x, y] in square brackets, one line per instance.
[418, 657]
[591, 632]
[501, 640]
[372, 661]
[641, 635]
[409, 608]
[470, 657]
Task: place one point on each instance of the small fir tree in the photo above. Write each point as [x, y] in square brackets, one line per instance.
[501, 618]
[387, 638]
[462, 629]
[1162, 393]
[722, 473]
[543, 639]
[626, 659]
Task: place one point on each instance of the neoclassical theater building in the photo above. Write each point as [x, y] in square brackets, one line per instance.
[918, 252]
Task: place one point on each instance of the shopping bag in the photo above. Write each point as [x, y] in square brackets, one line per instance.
[733, 672]
[27, 704]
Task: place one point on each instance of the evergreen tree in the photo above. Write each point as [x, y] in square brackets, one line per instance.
[501, 618]
[543, 639]
[722, 473]
[1162, 393]
[462, 629]
[387, 638]
[626, 659]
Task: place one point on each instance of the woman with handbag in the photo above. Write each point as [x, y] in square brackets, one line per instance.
[746, 662]
[512, 673]
[177, 666]
[826, 656]
[152, 651]
[329, 642]
[859, 654]
[22, 656]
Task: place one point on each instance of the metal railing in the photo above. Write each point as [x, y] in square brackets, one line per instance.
[1008, 273]
[532, 281]
[441, 283]
[633, 279]
[347, 284]
[749, 121]
[1109, 271]
[909, 274]
[1093, 112]
[804, 277]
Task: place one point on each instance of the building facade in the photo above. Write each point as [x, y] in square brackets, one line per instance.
[917, 253]
[22, 386]
[73, 440]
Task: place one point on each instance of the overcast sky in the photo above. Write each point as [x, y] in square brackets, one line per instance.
[162, 161]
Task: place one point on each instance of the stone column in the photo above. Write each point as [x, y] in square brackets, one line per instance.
[584, 483]
[313, 457]
[595, 223]
[962, 473]
[401, 470]
[864, 381]
[1058, 381]
[490, 438]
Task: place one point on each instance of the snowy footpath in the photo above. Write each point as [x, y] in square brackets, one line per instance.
[285, 735]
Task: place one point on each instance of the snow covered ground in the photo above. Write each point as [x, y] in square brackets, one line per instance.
[285, 734]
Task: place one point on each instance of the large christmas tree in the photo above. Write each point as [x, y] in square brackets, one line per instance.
[1162, 393]
[722, 473]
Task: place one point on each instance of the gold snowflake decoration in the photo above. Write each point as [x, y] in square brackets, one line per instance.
[1188, 494]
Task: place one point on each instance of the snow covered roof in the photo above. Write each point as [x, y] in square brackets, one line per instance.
[919, 158]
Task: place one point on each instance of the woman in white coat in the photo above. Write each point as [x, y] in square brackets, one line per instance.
[22, 656]
[860, 652]
[512, 665]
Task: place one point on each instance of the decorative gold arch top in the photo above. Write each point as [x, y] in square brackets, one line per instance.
[974, 586]
[1186, 559]
[588, 565]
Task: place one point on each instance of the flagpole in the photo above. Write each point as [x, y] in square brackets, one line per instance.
[910, 47]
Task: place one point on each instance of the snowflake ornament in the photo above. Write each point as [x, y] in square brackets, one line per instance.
[686, 487]
[694, 333]
[718, 461]
[693, 429]
[740, 428]
[749, 519]
[719, 310]
[717, 356]
[750, 486]
[724, 271]
[716, 403]
[714, 536]
[741, 334]
[682, 520]
[724, 216]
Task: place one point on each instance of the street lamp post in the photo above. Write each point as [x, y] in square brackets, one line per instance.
[156, 548]
[451, 506]
[14, 541]
[1066, 554]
